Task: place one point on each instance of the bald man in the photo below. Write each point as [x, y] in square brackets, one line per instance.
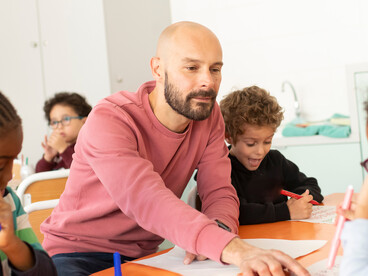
[133, 159]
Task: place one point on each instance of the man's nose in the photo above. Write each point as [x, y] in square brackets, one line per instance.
[207, 79]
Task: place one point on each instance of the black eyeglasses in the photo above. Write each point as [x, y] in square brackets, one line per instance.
[365, 164]
[65, 121]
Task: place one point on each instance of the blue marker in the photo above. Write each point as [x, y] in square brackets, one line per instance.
[117, 264]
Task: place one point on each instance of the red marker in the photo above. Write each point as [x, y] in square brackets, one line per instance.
[290, 194]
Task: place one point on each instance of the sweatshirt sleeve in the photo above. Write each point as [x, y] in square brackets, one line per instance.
[43, 265]
[217, 194]
[67, 156]
[254, 213]
[110, 143]
[297, 182]
[44, 166]
[355, 243]
[65, 162]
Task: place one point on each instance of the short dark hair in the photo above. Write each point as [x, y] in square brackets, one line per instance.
[9, 118]
[251, 105]
[72, 99]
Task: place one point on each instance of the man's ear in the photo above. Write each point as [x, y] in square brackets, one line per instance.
[156, 68]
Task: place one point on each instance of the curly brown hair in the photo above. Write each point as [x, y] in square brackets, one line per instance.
[251, 105]
[73, 100]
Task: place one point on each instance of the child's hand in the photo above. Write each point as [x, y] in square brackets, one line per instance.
[17, 251]
[50, 152]
[357, 209]
[349, 214]
[57, 142]
[300, 208]
[7, 235]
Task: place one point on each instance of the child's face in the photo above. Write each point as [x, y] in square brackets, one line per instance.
[252, 146]
[10, 146]
[69, 132]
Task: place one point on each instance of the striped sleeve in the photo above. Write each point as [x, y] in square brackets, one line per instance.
[22, 227]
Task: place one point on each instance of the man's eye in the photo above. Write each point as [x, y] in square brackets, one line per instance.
[191, 68]
[250, 145]
[66, 119]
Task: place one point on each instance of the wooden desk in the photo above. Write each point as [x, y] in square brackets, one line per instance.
[290, 230]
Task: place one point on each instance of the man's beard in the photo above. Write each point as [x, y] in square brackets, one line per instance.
[199, 111]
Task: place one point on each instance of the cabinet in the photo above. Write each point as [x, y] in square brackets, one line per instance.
[132, 30]
[358, 84]
[335, 166]
[49, 46]
[93, 47]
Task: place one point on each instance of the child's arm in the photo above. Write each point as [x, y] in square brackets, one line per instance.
[297, 182]
[67, 156]
[354, 236]
[254, 213]
[16, 250]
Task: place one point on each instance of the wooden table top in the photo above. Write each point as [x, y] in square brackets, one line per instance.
[290, 230]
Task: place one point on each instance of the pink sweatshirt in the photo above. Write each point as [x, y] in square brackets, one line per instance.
[127, 176]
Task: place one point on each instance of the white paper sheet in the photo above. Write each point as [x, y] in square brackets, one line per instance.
[320, 268]
[322, 214]
[173, 260]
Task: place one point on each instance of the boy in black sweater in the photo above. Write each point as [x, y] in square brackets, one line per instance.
[258, 173]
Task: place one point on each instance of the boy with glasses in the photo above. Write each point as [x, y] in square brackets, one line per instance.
[66, 113]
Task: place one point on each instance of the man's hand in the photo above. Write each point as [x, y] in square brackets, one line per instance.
[300, 208]
[190, 257]
[255, 261]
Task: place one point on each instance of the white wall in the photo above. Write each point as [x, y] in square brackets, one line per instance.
[132, 30]
[93, 47]
[73, 46]
[264, 41]
[308, 42]
[48, 46]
